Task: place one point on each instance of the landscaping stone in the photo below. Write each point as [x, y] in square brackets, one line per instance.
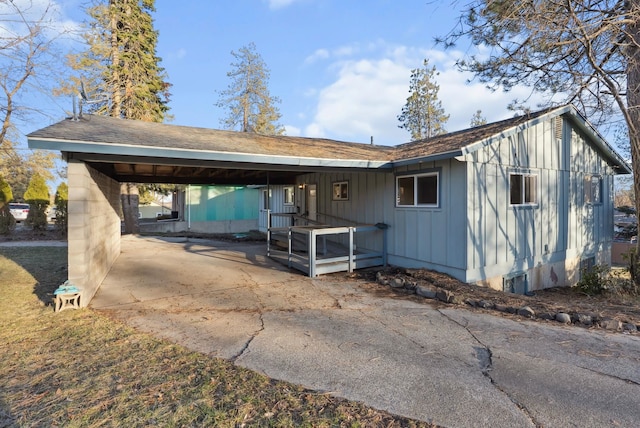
[457, 300]
[471, 302]
[486, 304]
[426, 291]
[526, 312]
[563, 318]
[500, 307]
[547, 316]
[396, 283]
[410, 285]
[444, 295]
[627, 326]
[611, 324]
[583, 319]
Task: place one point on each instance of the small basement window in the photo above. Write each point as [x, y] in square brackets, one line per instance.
[516, 283]
[523, 189]
[418, 190]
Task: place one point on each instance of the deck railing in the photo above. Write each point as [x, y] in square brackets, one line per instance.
[317, 249]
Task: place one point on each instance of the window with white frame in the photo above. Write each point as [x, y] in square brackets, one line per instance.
[341, 191]
[593, 190]
[418, 190]
[288, 195]
[523, 189]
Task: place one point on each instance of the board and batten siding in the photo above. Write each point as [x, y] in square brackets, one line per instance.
[370, 201]
[276, 204]
[432, 237]
[505, 239]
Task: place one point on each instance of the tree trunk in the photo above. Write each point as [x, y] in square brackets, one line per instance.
[633, 106]
[130, 201]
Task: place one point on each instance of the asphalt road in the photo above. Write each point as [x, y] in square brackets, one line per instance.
[450, 366]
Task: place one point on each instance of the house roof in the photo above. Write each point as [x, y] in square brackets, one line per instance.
[137, 151]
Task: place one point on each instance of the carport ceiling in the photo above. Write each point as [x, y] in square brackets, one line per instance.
[146, 152]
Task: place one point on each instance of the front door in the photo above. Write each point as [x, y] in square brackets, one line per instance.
[264, 210]
[312, 202]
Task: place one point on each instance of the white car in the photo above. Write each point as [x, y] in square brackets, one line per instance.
[19, 211]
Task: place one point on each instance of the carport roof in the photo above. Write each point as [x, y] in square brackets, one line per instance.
[136, 151]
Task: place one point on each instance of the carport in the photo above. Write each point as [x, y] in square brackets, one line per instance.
[103, 152]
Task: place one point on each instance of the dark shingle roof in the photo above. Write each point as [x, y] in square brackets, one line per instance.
[102, 129]
[129, 137]
[455, 141]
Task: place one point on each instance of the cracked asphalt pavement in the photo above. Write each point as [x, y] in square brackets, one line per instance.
[449, 366]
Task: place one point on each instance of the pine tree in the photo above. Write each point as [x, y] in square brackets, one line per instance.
[478, 119]
[120, 66]
[123, 70]
[251, 106]
[37, 196]
[423, 115]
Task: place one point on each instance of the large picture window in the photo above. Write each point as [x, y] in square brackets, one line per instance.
[523, 189]
[418, 190]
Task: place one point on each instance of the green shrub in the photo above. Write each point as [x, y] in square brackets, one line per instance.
[62, 206]
[7, 222]
[37, 196]
[594, 280]
[602, 279]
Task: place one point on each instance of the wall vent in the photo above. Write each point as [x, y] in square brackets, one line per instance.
[557, 127]
[515, 283]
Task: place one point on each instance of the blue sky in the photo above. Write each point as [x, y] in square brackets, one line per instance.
[340, 67]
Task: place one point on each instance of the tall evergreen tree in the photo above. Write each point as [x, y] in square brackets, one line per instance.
[478, 119]
[423, 115]
[251, 108]
[123, 71]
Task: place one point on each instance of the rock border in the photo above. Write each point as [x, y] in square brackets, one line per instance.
[428, 291]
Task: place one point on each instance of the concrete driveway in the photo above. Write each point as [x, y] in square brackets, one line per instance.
[449, 366]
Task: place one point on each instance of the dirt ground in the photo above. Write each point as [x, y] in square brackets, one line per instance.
[545, 303]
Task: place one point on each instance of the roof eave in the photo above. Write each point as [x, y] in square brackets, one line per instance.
[429, 158]
[74, 146]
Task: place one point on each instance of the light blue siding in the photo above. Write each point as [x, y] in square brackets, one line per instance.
[216, 203]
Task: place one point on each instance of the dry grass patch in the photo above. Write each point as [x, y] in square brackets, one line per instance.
[81, 369]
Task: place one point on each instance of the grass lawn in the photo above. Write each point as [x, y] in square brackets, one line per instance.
[78, 368]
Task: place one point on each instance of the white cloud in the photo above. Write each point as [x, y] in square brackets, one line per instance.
[278, 4]
[292, 131]
[363, 102]
[318, 55]
[367, 95]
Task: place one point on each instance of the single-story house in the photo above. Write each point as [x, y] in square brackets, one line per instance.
[516, 205]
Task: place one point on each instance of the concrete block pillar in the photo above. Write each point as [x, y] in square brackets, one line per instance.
[94, 227]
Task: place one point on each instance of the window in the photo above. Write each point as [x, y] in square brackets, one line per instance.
[523, 189]
[417, 190]
[340, 191]
[593, 190]
[288, 195]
